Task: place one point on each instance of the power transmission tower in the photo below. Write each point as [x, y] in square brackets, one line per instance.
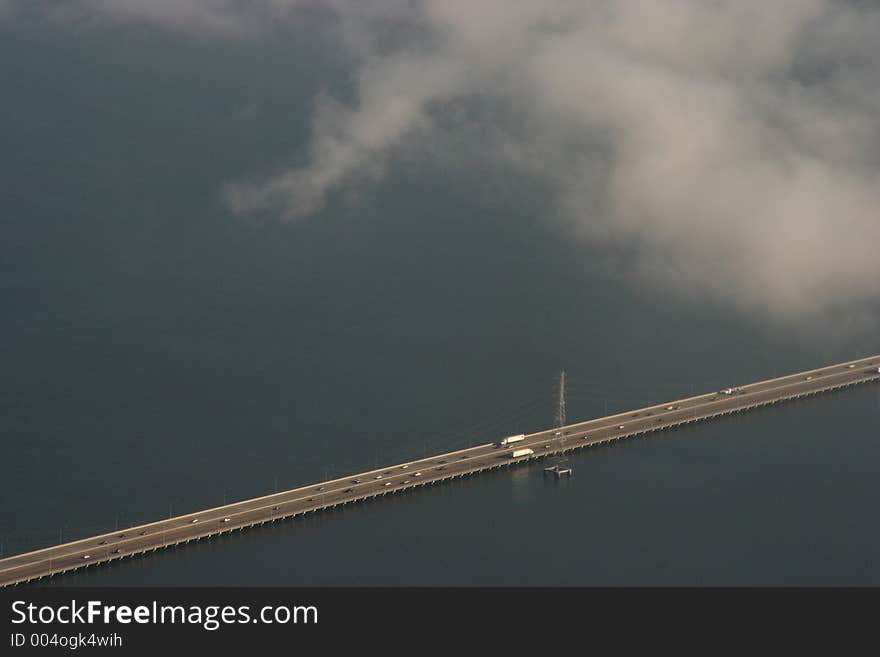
[560, 404]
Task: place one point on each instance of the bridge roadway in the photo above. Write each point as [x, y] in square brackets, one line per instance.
[405, 476]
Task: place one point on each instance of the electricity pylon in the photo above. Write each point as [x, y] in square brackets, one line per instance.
[560, 404]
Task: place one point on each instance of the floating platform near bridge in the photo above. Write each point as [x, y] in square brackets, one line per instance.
[558, 471]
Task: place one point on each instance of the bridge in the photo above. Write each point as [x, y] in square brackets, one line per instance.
[401, 477]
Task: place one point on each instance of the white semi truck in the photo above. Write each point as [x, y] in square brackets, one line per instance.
[515, 454]
[511, 439]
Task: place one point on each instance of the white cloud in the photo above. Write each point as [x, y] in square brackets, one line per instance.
[349, 142]
[732, 145]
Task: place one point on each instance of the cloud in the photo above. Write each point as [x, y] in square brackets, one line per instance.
[351, 142]
[731, 147]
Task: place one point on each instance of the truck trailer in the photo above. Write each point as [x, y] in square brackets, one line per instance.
[515, 454]
[512, 439]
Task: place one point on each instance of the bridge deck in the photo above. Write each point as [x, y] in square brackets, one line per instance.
[395, 479]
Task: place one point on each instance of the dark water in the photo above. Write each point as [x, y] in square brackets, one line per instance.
[159, 356]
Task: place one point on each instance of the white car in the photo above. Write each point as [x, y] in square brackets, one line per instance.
[225, 520]
[620, 426]
[87, 556]
[404, 467]
[377, 477]
[417, 474]
[193, 521]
